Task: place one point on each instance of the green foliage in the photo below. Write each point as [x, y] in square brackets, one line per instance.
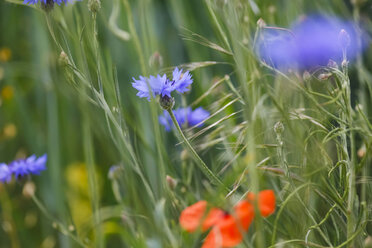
[66, 91]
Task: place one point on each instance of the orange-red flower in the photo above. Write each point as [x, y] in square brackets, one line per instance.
[266, 201]
[226, 229]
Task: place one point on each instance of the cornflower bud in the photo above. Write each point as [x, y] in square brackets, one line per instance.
[47, 6]
[166, 102]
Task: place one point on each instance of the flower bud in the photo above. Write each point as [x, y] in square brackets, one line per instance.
[184, 155]
[156, 61]
[362, 151]
[261, 23]
[47, 6]
[171, 182]
[29, 189]
[368, 242]
[324, 76]
[344, 63]
[332, 64]
[94, 5]
[166, 102]
[306, 76]
[63, 59]
[114, 172]
[344, 39]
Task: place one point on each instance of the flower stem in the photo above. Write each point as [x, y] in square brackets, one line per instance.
[351, 178]
[203, 167]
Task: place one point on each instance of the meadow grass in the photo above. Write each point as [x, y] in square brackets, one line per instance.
[306, 135]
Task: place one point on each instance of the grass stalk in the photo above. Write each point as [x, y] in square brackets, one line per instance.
[202, 166]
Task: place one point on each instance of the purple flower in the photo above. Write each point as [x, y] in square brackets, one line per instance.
[182, 80]
[184, 116]
[161, 85]
[30, 165]
[45, 1]
[5, 173]
[311, 42]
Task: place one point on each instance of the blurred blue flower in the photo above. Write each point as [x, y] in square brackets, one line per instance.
[5, 173]
[114, 171]
[310, 42]
[30, 165]
[45, 1]
[161, 85]
[184, 116]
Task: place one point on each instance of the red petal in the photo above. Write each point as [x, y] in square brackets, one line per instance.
[225, 233]
[191, 216]
[266, 201]
[244, 212]
[212, 218]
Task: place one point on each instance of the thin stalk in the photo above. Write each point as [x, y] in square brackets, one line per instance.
[203, 167]
[7, 216]
[92, 179]
[133, 32]
[56, 223]
[352, 178]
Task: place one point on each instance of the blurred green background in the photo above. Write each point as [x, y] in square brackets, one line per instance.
[44, 108]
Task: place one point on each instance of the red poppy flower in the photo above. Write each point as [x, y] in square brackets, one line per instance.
[227, 229]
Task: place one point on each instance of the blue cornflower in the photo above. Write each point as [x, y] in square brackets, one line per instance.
[30, 165]
[310, 42]
[184, 116]
[45, 1]
[5, 173]
[161, 85]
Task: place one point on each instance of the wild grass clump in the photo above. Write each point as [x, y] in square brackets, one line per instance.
[254, 127]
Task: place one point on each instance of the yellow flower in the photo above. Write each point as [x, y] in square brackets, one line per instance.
[5, 54]
[10, 131]
[7, 92]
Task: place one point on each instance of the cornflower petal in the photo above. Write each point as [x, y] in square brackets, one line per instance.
[19, 168]
[184, 116]
[45, 1]
[142, 86]
[5, 173]
[181, 80]
[30, 165]
[197, 116]
[38, 165]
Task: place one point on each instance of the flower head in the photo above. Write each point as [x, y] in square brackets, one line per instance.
[5, 173]
[310, 42]
[226, 228]
[184, 116]
[45, 1]
[161, 85]
[30, 165]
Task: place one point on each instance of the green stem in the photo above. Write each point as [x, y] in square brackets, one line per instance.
[351, 179]
[136, 40]
[203, 167]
